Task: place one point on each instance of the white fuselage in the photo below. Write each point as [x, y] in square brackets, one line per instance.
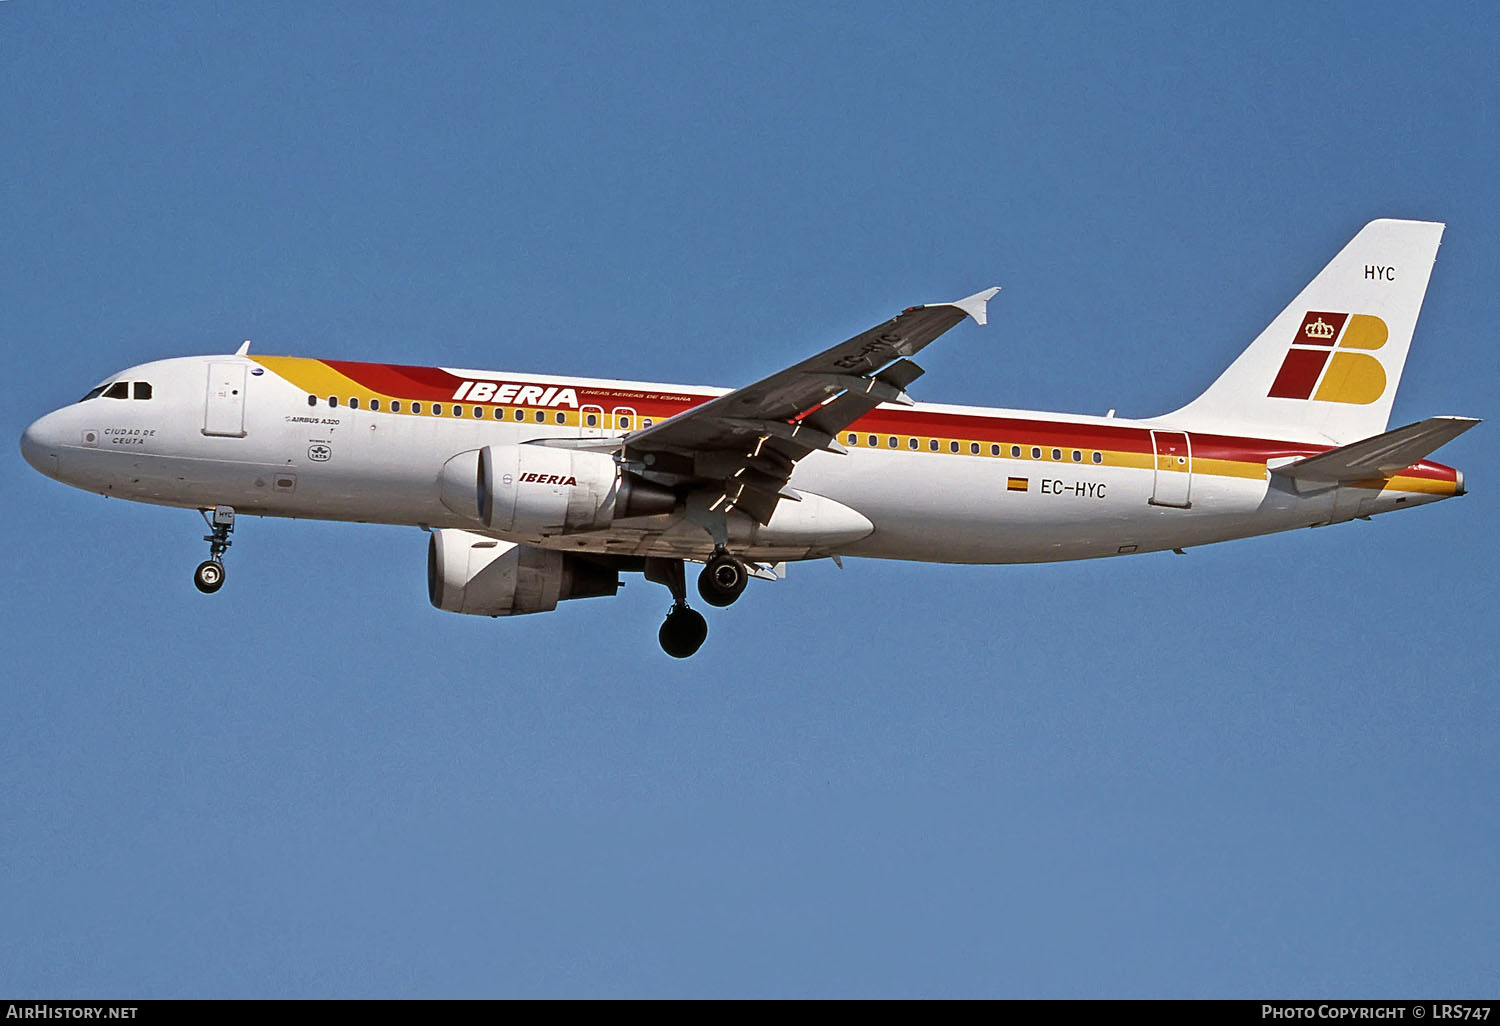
[936, 483]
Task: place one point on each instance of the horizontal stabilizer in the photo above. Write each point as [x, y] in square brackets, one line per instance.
[1380, 456]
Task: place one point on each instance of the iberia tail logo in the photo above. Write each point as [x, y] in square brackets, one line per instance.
[1320, 358]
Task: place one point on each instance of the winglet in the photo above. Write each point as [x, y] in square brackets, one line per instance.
[976, 306]
[243, 349]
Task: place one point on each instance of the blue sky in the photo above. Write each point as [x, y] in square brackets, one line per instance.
[1263, 768]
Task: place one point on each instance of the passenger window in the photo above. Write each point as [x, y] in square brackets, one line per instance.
[891, 441]
[416, 407]
[458, 411]
[623, 423]
[395, 405]
[953, 447]
[995, 449]
[354, 404]
[912, 443]
[647, 421]
[1098, 457]
[592, 420]
[973, 448]
[1056, 454]
[1015, 452]
[479, 412]
[853, 439]
[520, 414]
[375, 404]
[333, 401]
[541, 416]
[874, 440]
[562, 418]
[1036, 453]
[932, 443]
[1077, 456]
[312, 400]
[119, 390]
[437, 409]
[143, 390]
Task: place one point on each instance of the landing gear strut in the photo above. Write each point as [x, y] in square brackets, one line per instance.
[684, 629]
[723, 579]
[209, 577]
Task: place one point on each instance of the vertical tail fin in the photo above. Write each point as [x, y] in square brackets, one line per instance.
[1327, 367]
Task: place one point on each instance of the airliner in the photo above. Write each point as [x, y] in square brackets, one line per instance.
[536, 489]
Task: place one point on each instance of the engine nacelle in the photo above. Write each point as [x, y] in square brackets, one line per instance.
[469, 573]
[536, 489]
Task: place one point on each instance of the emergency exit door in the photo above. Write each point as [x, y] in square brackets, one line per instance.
[1174, 469]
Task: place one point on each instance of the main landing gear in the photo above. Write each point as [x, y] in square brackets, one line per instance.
[722, 581]
[684, 629]
[209, 577]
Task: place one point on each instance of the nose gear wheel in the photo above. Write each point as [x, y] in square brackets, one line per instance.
[209, 575]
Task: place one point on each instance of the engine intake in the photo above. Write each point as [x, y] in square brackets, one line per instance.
[469, 573]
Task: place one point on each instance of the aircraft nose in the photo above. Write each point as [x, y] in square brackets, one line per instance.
[39, 446]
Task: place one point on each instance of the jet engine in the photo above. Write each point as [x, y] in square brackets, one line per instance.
[469, 573]
[537, 489]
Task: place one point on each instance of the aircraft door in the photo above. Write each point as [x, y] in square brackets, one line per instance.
[1174, 469]
[224, 411]
[591, 419]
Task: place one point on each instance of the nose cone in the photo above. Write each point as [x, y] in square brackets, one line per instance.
[40, 445]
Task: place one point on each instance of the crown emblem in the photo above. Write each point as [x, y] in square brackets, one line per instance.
[1319, 329]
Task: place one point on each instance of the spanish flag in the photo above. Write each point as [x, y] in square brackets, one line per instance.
[1017, 484]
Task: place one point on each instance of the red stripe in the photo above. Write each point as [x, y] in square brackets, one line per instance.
[399, 380]
[426, 383]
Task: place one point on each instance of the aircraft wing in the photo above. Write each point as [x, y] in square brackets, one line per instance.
[748, 441]
[1380, 455]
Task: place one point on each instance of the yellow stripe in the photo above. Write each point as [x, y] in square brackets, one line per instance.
[1139, 460]
[1408, 483]
[1230, 468]
[317, 378]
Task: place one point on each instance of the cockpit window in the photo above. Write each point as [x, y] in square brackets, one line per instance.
[120, 390]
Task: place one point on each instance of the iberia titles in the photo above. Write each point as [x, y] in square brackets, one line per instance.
[519, 395]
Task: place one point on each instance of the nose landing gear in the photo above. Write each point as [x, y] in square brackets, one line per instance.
[209, 576]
